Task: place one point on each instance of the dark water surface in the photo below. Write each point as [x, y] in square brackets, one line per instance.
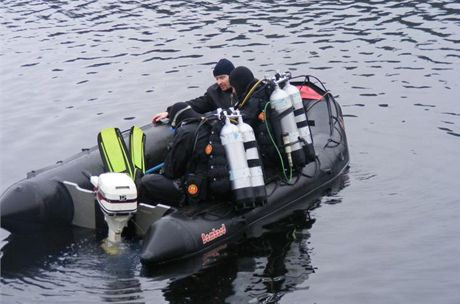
[390, 235]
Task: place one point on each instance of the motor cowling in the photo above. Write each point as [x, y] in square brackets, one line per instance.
[116, 195]
[301, 120]
[240, 175]
[254, 161]
[281, 104]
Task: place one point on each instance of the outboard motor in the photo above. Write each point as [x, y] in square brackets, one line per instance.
[281, 104]
[116, 194]
[240, 175]
[254, 162]
[301, 120]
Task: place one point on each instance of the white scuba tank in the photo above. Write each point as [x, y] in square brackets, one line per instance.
[253, 158]
[281, 104]
[240, 176]
[301, 119]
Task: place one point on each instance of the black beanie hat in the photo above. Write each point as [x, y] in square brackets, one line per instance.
[240, 79]
[180, 111]
[223, 67]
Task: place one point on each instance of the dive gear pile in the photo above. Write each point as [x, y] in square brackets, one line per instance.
[287, 125]
[290, 113]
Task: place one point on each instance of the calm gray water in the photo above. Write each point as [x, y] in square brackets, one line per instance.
[390, 235]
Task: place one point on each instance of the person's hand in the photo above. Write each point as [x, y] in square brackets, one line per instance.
[158, 117]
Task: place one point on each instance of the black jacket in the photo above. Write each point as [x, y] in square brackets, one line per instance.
[213, 98]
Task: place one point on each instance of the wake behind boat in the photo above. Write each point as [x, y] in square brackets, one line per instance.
[64, 195]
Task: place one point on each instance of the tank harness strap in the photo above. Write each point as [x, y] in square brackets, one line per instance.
[249, 145]
[302, 124]
[299, 111]
[284, 113]
[254, 163]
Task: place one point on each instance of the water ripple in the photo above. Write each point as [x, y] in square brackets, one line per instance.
[86, 64]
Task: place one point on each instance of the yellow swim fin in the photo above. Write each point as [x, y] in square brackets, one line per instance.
[136, 149]
[114, 152]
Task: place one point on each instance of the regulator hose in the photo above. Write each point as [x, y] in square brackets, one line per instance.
[246, 98]
[288, 180]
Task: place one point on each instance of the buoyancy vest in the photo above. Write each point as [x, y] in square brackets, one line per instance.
[218, 168]
[208, 164]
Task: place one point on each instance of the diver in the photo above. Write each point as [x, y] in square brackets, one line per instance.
[195, 167]
[217, 95]
[252, 96]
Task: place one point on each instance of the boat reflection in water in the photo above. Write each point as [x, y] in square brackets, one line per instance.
[272, 260]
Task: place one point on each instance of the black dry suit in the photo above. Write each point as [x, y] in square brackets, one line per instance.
[253, 96]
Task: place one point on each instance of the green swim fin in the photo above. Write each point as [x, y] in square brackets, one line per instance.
[114, 152]
[136, 149]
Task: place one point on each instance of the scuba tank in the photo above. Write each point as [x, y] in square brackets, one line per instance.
[301, 120]
[240, 176]
[253, 158]
[281, 104]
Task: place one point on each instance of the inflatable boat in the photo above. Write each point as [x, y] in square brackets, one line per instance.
[63, 194]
